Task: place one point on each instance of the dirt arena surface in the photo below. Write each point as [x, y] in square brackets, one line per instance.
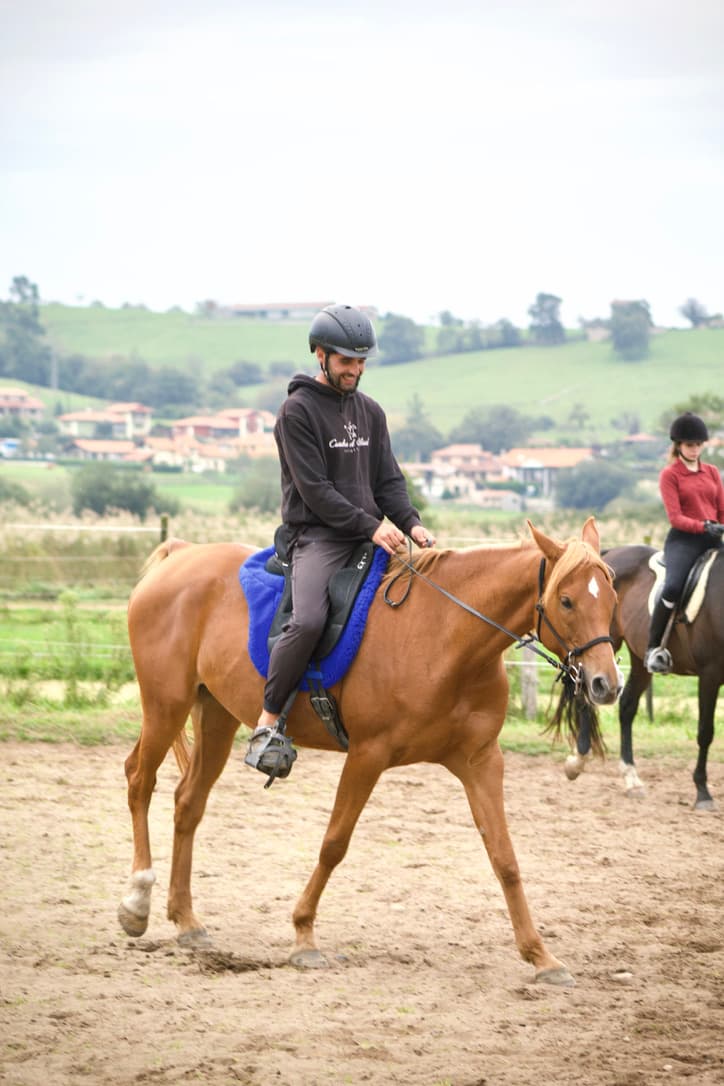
[425, 986]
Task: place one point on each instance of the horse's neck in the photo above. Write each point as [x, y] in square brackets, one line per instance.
[501, 583]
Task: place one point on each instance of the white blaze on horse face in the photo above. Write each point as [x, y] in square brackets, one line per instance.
[138, 901]
[593, 588]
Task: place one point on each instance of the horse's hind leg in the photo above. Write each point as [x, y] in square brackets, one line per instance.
[483, 783]
[708, 694]
[357, 780]
[157, 734]
[214, 730]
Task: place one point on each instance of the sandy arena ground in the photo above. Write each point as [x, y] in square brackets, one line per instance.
[425, 986]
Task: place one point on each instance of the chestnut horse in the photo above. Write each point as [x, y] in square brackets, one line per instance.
[428, 684]
[697, 649]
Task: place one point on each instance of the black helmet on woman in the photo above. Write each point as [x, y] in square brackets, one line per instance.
[688, 427]
[343, 330]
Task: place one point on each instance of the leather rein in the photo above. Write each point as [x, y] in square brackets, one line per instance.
[569, 672]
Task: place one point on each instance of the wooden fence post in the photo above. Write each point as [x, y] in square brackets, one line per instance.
[164, 527]
[529, 683]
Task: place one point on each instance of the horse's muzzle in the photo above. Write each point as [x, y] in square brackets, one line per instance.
[600, 690]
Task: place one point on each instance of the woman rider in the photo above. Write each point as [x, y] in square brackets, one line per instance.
[693, 497]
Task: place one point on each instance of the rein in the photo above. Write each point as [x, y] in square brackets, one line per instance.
[569, 672]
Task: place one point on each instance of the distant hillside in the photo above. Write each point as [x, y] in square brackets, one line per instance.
[536, 381]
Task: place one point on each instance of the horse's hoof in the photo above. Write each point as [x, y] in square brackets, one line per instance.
[575, 764]
[132, 923]
[636, 793]
[308, 959]
[705, 805]
[195, 938]
[559, 976]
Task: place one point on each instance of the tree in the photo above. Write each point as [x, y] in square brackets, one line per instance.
[24, 354]
[245, 373]
[418, 437]
[545, 325]
[630, 326]
[695, 312]
[170, 386]
[578, 415]
[259, 485]
[708, 405]
[495, 428]
[508, 335]
[101, 487]
[401, 340]
[591, 485]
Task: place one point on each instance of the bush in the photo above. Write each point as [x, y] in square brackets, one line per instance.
[101, 487]
[13, 492]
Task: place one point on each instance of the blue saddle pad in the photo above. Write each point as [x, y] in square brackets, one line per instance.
[263, 591]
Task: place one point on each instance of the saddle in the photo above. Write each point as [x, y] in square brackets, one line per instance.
[694, 591]
[343, 590]
[266, 580]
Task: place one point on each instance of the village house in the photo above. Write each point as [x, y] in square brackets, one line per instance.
[17, 403]
[286, 311]
[218, 428]
[250, 420]
[119, 420]
[538, 468]
[99, 449]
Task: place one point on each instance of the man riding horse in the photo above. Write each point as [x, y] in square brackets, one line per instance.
[341, 484]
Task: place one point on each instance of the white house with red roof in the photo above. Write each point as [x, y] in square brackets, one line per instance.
[539, 467]
[19, 404]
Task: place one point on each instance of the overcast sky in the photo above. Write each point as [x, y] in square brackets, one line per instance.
[414, 156]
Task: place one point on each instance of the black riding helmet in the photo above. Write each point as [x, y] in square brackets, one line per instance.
[342, 329]
[688, 427]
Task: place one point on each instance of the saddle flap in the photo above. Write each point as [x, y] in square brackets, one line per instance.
[343, 590]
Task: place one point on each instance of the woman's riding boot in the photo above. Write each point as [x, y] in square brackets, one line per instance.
[658, 660]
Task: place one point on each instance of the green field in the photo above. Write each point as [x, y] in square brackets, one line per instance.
[535, 381]
[75, 655]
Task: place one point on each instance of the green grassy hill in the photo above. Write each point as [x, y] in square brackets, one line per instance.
[549, 381]
[536, 381]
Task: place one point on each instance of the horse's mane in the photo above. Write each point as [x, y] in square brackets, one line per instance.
[426, 561]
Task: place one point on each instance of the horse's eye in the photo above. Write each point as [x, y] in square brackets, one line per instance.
[566, 603]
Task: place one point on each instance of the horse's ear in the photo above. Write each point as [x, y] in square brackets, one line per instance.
[551, 549]
[590, 535]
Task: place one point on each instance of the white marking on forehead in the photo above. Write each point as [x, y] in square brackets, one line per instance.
[593, 587]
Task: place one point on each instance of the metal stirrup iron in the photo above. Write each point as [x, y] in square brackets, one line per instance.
[270, 749]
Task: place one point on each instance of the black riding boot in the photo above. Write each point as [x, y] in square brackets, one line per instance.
[658, 659]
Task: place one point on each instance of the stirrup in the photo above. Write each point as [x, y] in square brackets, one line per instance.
[658, 661]
[271, 752]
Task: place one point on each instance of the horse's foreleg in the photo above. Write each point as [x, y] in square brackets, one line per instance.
[214, 730]
[708, 694]
[638, 681]
[483, 784]
[358, 778]
[141, 767]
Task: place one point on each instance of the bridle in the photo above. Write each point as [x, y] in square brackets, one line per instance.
[570, 673]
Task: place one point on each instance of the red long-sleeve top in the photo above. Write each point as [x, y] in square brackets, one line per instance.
[691, 497]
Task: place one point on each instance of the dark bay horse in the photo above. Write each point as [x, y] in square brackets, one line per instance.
[697, 649]
[427, 685]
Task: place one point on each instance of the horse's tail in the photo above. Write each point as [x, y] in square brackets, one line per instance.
[574, 714]
[163, 550]
[182, 751]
